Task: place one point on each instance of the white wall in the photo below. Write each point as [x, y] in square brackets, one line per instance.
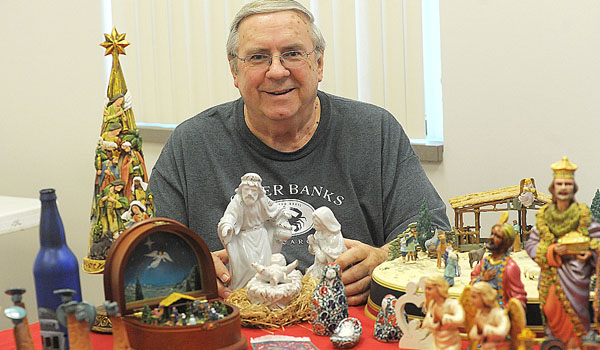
[520, 91]
[520, 85]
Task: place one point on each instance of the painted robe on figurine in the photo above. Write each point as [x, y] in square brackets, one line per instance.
[330, 305]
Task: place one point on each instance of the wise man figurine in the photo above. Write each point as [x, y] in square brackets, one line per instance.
[564, 243]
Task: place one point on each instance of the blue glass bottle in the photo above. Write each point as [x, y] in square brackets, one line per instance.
[55, 267]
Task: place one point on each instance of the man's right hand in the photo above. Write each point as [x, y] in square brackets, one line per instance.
[220, 259]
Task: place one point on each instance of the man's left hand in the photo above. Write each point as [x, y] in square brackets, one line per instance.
[357, 278]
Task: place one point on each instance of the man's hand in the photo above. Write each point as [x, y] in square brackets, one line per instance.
[220, 259]
[357, 278]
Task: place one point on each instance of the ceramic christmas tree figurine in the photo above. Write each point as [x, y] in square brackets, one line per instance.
[330, 305]
[386, 326]
[327, 243]
[564, 243]
[121, 177]
[252, 229]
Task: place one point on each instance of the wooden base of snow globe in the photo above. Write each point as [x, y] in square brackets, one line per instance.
[149, 262]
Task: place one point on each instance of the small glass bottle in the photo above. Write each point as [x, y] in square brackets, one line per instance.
[55, 267]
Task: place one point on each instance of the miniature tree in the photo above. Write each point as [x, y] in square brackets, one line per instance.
[424, 225]
[146, 315]
[138, 290]
[595, 208]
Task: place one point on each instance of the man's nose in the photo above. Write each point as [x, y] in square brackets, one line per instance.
[276, 68]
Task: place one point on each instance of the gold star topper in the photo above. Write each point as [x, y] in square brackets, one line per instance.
[115, 41]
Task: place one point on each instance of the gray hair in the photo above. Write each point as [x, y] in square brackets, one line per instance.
[269, 6]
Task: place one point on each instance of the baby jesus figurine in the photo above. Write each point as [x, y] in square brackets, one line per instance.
[275, 285]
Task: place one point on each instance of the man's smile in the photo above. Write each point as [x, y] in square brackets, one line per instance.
[279, 92]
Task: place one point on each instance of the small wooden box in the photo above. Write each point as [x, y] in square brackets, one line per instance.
[138, 273]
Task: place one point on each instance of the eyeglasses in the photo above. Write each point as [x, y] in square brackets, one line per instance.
[290, 59]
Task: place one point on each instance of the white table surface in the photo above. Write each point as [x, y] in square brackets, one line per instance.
[17, 213]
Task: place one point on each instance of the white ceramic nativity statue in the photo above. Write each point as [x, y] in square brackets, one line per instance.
[275, 285]
[252, 229]
[327, 243]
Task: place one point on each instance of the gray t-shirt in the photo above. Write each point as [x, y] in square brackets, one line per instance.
[359, 163]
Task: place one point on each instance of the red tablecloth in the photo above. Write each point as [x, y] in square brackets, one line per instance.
[367, 341]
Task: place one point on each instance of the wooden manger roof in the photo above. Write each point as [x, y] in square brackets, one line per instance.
[487, 197]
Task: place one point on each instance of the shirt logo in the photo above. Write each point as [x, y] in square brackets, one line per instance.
[301, 215]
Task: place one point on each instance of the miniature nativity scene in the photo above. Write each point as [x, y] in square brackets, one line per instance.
[497, 301]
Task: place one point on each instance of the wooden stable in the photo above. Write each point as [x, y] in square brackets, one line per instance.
[503, 199]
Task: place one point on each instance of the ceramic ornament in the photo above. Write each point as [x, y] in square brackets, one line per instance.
[347, 334]
[329, 306]
[386, 326]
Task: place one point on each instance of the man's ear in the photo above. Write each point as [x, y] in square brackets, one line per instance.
[233, 69]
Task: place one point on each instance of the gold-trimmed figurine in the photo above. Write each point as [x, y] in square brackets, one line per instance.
[498, 268]
[564, 243]
[121, 196]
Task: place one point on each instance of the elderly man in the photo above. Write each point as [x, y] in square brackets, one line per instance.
[312, 149]
[564, 304]
[498, 268]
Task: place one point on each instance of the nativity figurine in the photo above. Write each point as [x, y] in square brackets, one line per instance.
[275, 285]
[498, 268]
[386, 326]
[452, 268]
[444, 315]
[492, 324]
[564, 276]
[252, 228]
[329, 303]
[327, 243]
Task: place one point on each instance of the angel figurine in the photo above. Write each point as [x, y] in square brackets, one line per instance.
[489, 325]
[327, 244]
[527, 192]
[444, 315]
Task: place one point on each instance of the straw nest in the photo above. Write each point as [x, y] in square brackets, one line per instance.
[260, 316]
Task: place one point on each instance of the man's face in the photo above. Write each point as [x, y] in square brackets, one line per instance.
[564, 189]
[276, 92]
[249, 194]
[126, 148]
[494, 243]
[118, 188]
